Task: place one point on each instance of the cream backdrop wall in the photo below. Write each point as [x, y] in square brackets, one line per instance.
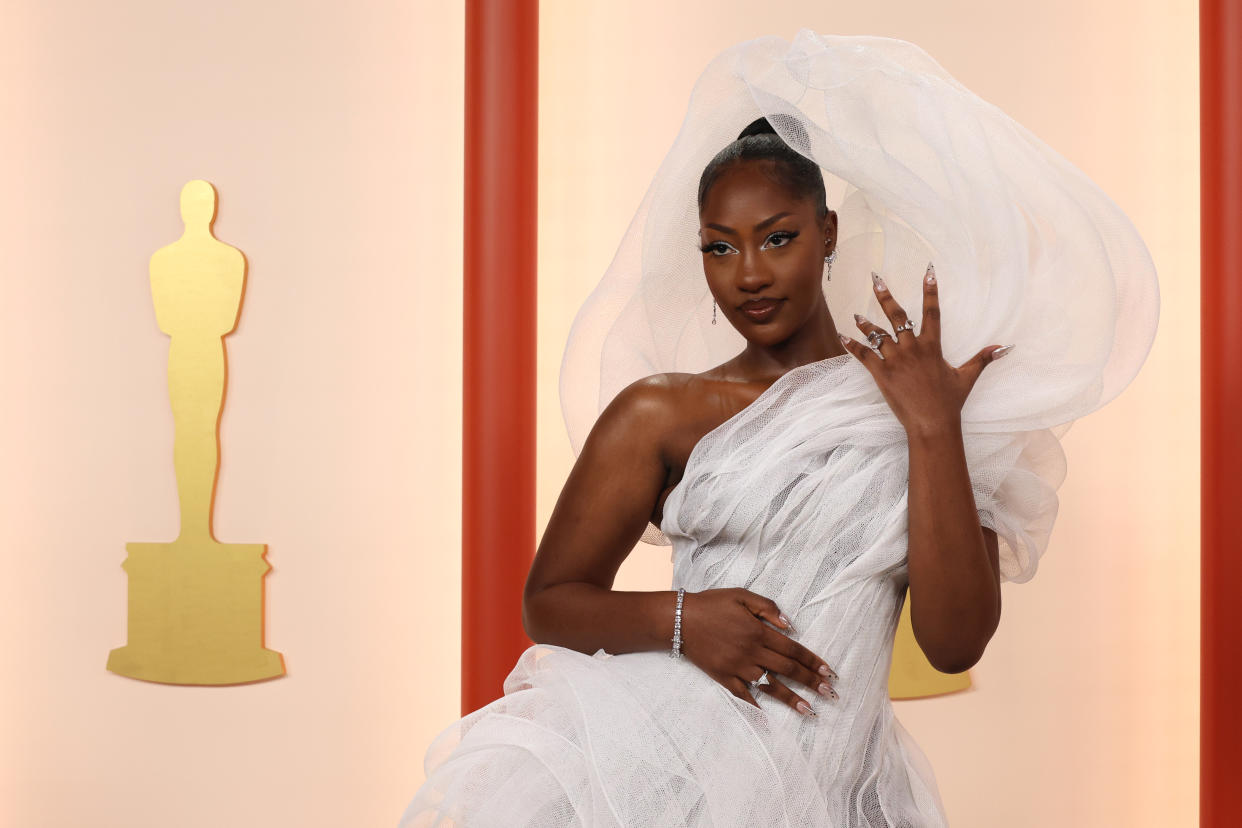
[1085, 708]
[333, 134]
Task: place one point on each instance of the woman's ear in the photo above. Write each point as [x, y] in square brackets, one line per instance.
[829, 225]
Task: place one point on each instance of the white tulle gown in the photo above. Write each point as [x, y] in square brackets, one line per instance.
[801, 497]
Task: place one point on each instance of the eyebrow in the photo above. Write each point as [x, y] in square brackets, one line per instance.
[758, 226]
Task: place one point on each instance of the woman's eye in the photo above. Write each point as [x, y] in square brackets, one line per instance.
[783, 237]
[719, 248]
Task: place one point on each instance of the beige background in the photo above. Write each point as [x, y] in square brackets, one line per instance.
[333, 134]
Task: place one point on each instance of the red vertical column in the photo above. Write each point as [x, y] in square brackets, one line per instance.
[498, 419]
[1220, 89]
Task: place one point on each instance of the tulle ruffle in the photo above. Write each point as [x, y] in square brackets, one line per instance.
[640, 739]
[1028, 250]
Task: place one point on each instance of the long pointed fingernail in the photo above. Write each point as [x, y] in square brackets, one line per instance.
[787, 622]
[859, 318]
[1001, 351]
[827, 692]
[931, 273]
[825, 670]
[806, 708]
[879, 281]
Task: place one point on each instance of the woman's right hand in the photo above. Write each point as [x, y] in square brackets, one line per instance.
[724, 634]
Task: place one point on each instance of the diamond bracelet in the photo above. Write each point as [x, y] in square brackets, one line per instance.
[676, 653]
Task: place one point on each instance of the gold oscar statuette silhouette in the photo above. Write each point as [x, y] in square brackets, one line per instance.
[911, 675]
[195, 604]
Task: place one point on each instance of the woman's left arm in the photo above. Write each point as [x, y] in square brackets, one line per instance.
[955, 599]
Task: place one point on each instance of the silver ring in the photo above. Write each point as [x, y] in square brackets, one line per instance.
[876, 338]
[761, 680]
[908, 325]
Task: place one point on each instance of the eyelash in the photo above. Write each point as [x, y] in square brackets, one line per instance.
[789, 235]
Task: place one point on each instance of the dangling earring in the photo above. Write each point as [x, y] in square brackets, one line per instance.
[713, 311]
[829, 259]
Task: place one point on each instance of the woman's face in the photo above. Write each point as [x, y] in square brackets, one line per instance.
[763, 249]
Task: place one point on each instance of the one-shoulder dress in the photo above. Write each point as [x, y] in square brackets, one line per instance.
[801, 497]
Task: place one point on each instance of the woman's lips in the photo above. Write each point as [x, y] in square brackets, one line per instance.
[762, 311]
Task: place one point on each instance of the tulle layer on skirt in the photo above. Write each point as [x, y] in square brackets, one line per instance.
[640, 739]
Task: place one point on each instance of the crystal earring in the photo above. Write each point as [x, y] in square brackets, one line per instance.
[713, 311]
[829, 259]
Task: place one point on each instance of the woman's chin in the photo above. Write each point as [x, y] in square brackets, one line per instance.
[765, 336]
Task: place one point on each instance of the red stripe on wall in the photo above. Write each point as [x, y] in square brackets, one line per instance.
[1220, 89]
[498, 417]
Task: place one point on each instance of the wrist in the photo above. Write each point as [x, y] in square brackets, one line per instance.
[659, 617]
[934, 430]
[675, 643]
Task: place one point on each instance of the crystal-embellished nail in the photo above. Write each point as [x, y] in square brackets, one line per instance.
[1001, 351]
[879, 281]
[825, 670]
[806, 708]
[931, 273]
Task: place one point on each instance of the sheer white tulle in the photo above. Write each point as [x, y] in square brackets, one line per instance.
[1028, 250]
[802, 495]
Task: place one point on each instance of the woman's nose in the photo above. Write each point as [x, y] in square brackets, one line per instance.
[751, 274]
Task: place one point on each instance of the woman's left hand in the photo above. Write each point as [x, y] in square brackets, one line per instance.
[925, 392]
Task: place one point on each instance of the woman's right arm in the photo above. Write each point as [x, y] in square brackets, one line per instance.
[600, 515]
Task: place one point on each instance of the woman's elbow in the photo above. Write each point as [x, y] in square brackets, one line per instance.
[964, 651]
[530, 616]
[957, 663]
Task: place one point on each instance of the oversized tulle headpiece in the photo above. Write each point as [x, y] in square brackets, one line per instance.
[1027, 249]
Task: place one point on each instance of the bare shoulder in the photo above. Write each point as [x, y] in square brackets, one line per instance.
[674, 409]
[649, 394]
[645, 411]
[643, 438]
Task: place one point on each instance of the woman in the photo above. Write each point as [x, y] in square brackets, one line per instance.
[808, 482]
